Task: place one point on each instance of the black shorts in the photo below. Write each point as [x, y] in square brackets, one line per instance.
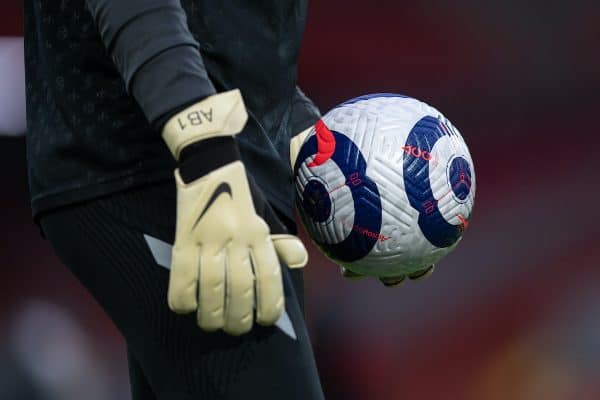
[105, 243]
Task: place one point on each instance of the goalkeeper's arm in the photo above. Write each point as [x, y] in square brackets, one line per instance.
[225, 262]
[155, 53]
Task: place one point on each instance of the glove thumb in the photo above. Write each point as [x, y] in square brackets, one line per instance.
[296, 144]
[290, 250]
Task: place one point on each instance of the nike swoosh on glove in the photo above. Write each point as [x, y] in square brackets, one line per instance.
[225, 263]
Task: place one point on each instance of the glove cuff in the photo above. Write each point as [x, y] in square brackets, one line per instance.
[205, 156]
[223, 114]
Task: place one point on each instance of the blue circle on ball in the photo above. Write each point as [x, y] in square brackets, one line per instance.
[460, 177]
[316, 202]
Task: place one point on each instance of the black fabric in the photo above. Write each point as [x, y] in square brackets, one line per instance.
[88, 137]
[136, 31]
[154, 52]
[200, 158]
[102, 243]
[139, 385]
[168, 83]
[304, 113]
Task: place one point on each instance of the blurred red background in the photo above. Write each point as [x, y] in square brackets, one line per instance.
[511, 314]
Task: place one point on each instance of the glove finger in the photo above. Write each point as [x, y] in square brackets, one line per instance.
[183, 279]
[211, 307]
[290, 250]
[269, 286]
[392, 282]
[239, 297]
[348, 274]
[422, 274]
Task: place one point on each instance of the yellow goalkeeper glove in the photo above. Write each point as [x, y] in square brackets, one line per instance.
[224, 258]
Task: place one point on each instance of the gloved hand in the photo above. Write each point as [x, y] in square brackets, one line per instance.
[295, 145]
[223, 256]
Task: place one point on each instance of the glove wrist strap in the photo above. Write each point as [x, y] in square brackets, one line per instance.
[205, 156]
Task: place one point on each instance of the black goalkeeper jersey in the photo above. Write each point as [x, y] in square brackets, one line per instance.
[88, 137]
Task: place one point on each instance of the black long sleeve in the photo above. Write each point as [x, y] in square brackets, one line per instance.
[98, 70]
[155, 53]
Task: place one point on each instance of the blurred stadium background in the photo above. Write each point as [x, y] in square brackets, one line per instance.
[512, 314]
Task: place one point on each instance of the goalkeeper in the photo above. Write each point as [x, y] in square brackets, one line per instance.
[154, 123]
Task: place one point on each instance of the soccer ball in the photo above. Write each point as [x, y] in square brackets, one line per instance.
[385, 185]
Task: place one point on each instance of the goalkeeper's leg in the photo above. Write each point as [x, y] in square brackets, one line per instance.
[103, 243]
[140, 387]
